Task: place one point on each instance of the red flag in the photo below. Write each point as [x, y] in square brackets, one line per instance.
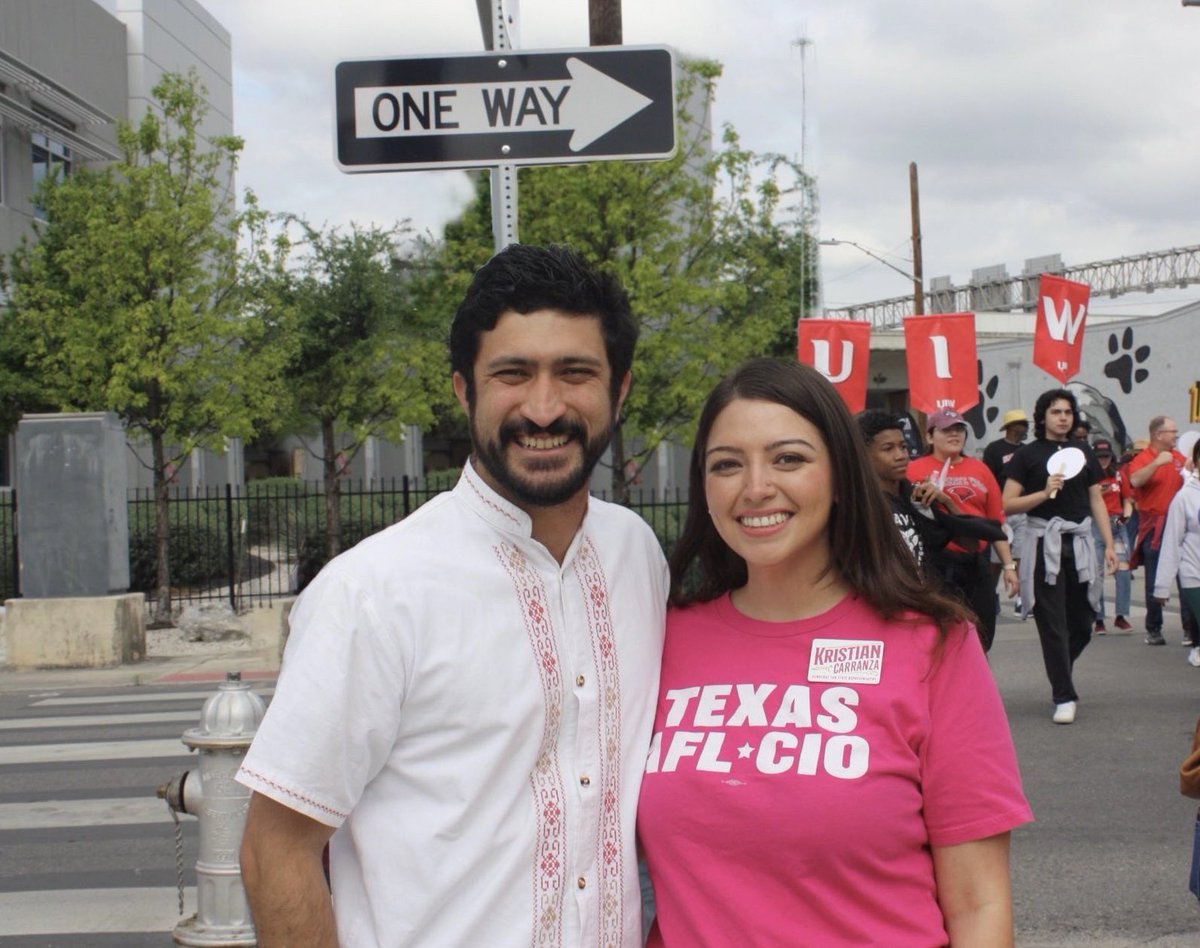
[1061, 315]
[941, 361]
[840, 349]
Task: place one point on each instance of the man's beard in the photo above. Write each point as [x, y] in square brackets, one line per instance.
[540, 492]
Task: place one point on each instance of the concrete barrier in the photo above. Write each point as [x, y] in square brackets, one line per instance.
[76, 632]
[266, 625]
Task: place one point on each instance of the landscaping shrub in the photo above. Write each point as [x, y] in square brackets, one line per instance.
[198, 557]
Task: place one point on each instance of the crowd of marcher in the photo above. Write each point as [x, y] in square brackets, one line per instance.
[488, 710]
[1074, 513]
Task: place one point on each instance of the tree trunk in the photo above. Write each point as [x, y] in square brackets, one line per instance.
[161, 614]
[333, 489]
[620, 485]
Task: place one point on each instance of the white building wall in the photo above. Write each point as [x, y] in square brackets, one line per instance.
[171, 36]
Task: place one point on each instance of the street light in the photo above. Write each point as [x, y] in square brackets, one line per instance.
[834, 242]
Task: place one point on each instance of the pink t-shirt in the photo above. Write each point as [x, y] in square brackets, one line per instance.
[800, 771]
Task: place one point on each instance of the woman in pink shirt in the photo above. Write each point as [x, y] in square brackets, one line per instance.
[831, 763]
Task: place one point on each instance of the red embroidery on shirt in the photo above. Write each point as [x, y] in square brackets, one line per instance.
[546, 783]
[289, 792]
[609, 854]
[491, 503]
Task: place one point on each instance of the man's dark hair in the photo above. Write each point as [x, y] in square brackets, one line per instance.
[874, 420]
[524, 278]
[1045, 400]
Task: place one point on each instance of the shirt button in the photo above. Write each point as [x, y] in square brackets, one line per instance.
[581, 882]
[579, 681]
[585, 780]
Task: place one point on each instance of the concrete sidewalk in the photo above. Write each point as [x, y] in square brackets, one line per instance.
[211, 665]
[180, 662]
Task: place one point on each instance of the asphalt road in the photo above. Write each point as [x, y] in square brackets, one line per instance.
[1106, 861]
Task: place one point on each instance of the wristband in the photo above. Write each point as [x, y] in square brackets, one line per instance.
[1010, 566]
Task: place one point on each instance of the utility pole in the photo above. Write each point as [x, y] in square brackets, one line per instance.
[802, 43]
[604, 23]
[918, 276]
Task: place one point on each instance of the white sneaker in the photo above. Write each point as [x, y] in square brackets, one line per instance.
[1194, 657]
[1064, 713]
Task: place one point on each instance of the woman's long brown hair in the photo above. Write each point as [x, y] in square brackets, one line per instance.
[866, 550]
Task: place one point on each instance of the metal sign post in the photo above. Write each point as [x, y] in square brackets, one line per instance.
[505, 35]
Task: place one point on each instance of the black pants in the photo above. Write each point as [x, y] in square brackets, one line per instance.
[1154, 609]
[968, 577]
[1064, 617]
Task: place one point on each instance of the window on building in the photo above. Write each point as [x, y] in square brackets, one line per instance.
[49, 154]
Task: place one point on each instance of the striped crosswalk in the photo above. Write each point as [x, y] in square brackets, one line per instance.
[89, 851]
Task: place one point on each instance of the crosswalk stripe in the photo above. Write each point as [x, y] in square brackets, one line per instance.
[58, 814]
[98, 750]
[89, 911]
[97, 720]
[137, 698]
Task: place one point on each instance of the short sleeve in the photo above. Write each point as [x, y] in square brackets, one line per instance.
[1015, 469]
[334, 718]
[970, 779]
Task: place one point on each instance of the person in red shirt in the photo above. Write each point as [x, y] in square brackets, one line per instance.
[1118, 501]
[1156, 474]
[966, 571]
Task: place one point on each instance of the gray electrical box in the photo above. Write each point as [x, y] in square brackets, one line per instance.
[72, 513]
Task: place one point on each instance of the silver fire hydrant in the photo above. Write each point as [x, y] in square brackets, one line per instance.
[227, 725]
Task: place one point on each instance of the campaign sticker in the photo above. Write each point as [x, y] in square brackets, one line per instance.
[849, 661]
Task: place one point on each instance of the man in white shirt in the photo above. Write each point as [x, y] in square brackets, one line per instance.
[466, 698]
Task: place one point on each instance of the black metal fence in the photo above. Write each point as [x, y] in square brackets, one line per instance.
[8, 544]
[247, 545]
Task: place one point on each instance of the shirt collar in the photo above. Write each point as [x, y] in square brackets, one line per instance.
[505, 516]
[502, 514]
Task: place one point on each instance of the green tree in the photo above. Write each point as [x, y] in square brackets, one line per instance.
[371, 353]
[148, 293]
[712, 246]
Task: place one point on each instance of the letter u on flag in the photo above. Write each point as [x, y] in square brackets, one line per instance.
[840, 349]
[1061, 314]
[942, 372]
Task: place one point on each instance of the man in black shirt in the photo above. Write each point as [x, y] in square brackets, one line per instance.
[1059, 578]
[1015, 425]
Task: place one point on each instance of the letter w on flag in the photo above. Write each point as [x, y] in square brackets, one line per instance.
[1061, 318]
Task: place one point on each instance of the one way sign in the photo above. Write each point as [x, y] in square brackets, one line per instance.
[508, 107]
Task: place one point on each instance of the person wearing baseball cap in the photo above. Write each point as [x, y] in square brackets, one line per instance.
[1015, 428]
[1118, 500]
[963, 568]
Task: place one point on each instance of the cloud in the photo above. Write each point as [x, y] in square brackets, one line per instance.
[1037, 127]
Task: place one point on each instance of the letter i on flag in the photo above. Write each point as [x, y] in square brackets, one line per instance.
[840, 349]
[1061, 315]
[940, 351]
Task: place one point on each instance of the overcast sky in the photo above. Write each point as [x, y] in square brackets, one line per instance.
[1039, 126]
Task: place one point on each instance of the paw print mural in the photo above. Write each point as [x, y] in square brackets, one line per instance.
[981, 416]
[1125, 369]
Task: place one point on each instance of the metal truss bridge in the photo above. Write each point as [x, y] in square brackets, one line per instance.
[993, 290]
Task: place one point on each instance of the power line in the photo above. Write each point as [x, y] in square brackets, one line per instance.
[1140, 273]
